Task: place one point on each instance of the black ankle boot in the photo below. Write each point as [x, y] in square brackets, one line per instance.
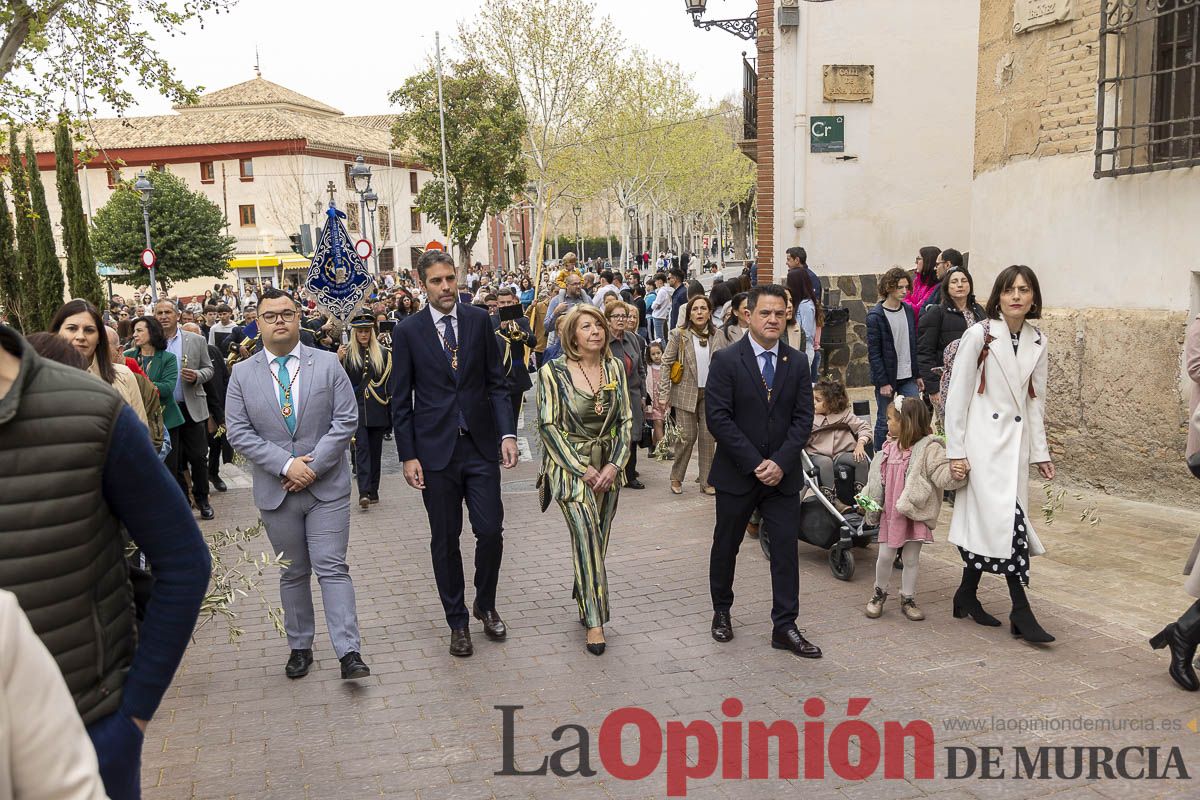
[966, 601]
[1022, 623]
[1182, 635]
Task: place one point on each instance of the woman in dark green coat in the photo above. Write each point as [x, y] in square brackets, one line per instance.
[159, 364]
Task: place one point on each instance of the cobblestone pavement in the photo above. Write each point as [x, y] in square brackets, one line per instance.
[424, 725]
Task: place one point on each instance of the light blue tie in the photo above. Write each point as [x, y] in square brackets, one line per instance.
[768, 370]
[285, 399]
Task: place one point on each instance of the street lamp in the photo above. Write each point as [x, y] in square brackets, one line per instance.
[578, 209]
[146, 189]
[360, 177]
[632, 212]
[744, 28]
[371, 201]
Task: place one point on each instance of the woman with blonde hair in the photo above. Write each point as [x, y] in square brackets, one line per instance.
[586, 427]
[369, 367]
[691, 346]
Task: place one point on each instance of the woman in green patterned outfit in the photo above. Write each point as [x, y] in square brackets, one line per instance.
[586, 427]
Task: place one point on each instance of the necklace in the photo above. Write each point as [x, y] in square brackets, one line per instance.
[599, 403]
[286, 408]
[452, 350]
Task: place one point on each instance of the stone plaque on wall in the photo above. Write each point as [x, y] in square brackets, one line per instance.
[850, 83]
[1029, 15]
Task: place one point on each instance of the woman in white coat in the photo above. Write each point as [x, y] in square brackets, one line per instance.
[995, 428]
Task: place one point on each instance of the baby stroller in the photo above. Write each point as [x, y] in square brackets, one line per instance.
[822, 525]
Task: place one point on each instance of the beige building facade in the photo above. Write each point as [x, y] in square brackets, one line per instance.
[1087, 168]
[265, 156]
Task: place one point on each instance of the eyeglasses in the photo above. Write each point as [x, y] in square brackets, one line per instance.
[271, 317]
[620, 316]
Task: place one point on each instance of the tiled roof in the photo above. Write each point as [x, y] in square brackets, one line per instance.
[230, 126]
[383, 122]
[258, 92]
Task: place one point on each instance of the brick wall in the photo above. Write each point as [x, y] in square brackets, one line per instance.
[765, 192]
[1036, 91]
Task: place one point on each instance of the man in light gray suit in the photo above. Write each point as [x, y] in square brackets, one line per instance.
[189, 441]
[290, 410]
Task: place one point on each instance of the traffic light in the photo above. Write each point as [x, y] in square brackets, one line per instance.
[295, 240]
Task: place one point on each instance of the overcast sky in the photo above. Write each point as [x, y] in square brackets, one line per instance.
[352, 53]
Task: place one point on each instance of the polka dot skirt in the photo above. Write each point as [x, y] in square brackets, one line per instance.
[1016, 564]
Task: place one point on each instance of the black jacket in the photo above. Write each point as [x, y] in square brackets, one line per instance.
[881, 347]
[517, 371]
[749, 428]
[371, 392]
[939, 327]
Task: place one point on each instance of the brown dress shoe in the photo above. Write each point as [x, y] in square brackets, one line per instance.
[493, 626]
[460, 643]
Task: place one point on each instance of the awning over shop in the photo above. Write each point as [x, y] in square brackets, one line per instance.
[287, 261]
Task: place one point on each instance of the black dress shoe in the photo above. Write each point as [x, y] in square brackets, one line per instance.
[373, 497]
[460, 642]
[354, 667]
[493, 626]
[722, 626]
[635, 484]
[218, 484]
[206, 511]
[298, 664]
[363, 501]
[790, 639]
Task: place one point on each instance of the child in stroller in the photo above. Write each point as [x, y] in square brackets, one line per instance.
[838, 444]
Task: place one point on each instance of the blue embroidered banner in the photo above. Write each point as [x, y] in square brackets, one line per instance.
[338, 279]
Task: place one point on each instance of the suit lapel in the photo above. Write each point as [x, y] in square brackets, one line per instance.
[754, 374]
[433, 339]
[1002, 354]
[1028, 352]
[268, 389]
[464, 332]
[783, 370]
[306, 383]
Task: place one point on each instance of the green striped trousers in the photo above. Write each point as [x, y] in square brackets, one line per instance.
[589, 523]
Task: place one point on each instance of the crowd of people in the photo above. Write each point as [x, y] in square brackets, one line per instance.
[618, 362]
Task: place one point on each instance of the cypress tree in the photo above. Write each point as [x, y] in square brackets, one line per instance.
[31, 318]
[83, 280]
[49, 270]
[10, 270]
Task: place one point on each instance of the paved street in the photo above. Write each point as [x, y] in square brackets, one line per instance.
[424, 724]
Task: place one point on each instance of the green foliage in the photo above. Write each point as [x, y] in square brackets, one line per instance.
[187, 231]
[82, 277]
[484, 130]
[53, 49]
[49, 285]
[10, 270]
[31, 319]
[239, 577]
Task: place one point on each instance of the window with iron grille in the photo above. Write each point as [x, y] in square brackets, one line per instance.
[1148, 103]
[385, 223]
[351, 216]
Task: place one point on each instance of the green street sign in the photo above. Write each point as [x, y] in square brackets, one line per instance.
[827, 134]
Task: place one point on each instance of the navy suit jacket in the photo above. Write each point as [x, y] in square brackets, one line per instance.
[427, 394]
[749, 428]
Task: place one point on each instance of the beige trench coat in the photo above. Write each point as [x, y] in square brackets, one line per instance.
[1192, 585]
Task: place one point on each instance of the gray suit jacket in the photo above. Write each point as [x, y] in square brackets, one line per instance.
[195, 356]
[632, 345]
[326, 418]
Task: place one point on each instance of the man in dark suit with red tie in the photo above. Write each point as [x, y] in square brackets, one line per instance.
[759, 408]
[454, 428]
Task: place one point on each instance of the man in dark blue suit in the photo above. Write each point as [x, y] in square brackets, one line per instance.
[514, 338]
[759, 408]
[454, 427]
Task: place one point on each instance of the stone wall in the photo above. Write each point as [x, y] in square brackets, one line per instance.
[847, 360]
[1116, 418]
[1036, 91]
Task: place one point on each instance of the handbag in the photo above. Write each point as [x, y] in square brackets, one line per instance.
[677, 366]
[543, 490]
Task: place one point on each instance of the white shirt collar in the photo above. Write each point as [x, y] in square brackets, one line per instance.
[759, 349]
[437, 315]
[294, 354]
